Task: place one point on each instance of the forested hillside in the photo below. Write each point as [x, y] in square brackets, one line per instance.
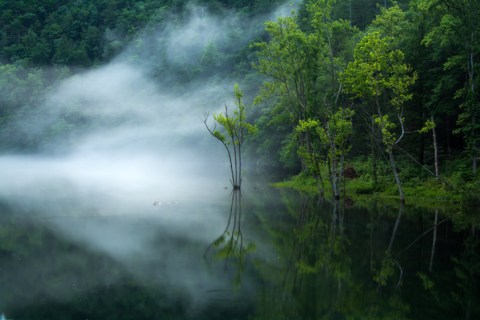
[378, 96]
[84, 33]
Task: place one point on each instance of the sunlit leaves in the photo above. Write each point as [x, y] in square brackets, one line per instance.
[386, 127]
[338, 129]
[428, 126]
[334, 133]
[378, 69]
[217, 134]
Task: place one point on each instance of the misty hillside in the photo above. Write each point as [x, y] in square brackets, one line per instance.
[171, 43]
[85, 33]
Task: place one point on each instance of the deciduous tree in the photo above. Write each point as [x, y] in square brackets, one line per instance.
[234, 129]
[380, 77]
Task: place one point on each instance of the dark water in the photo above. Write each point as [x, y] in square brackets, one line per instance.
[265, 254]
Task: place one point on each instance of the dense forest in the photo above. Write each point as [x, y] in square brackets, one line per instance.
[358, 96]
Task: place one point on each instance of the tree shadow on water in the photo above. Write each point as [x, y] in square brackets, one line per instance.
[230, 246]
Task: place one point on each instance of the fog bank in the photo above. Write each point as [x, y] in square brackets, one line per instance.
[124, 137]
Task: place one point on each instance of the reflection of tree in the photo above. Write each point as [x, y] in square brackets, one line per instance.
[328, 265]
[229, 246]
[456, 296]
[324, 274]
[434, 240]
[324, 245]
[390, 265]
[389, 262]
[467, 271]
[316, 261]
[434, 228]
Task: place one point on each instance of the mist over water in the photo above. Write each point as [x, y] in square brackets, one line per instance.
[123, 210]
[140, 140]
[136, 133]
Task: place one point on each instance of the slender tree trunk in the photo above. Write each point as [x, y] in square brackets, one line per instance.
[342, 171]
[437, 175]
[303, 162]
[422, 142]
[320, 185]
[316, 174]
[471, 75]
[235, 158]
[374, 156]
[474, 145]
[335, 186]
[239, 177]
[435, 150]
[397, 177]
[392, 240]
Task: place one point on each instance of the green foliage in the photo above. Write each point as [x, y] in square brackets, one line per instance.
[386, 128]
[235, 128]
[470, 200]
[428, 284]
[302, 66]
[428, 126]
[382, 80]
[452, 36]
[217, 134]
[392, 22]
[360, 186]
[300, 182]
[337, 131]
[285, 60]
[378, 69]
[386, 270]
[80, 33]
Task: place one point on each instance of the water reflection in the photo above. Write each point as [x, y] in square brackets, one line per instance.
[373, 263]
[316, 269]
[230, 246]
[87, 261]
[288, 256]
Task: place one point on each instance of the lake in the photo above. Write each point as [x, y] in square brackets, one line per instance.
[262, 254]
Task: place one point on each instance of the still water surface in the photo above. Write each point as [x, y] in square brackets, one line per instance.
[265, 254]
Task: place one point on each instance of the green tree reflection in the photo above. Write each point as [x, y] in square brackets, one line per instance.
[230, 246]
[324, 269]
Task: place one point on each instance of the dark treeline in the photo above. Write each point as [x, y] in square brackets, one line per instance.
[380, 90]
[84, 33]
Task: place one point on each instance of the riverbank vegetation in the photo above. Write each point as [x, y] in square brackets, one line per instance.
[349, 97]
[402, 89]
